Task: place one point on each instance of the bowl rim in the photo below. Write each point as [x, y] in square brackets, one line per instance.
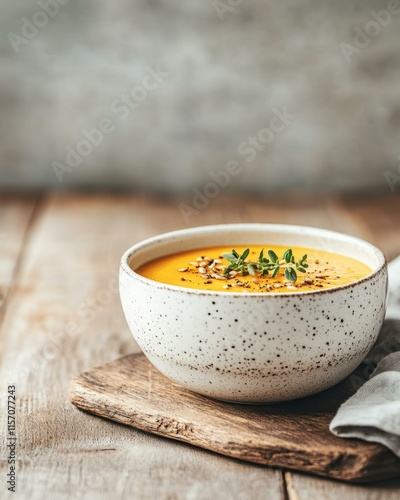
[285, 228]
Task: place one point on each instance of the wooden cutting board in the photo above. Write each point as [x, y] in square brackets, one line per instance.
[292, 435]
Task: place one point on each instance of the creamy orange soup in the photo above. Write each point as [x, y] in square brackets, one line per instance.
[204, 269]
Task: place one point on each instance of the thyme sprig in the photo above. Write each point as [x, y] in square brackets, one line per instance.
[264, 265]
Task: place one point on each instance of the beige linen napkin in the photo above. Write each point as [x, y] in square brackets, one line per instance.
[373, 412]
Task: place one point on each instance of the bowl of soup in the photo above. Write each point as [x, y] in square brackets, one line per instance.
[254, 313]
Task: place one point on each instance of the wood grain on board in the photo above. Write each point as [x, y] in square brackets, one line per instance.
[292, 435]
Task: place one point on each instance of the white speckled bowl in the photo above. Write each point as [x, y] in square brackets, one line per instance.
[251, 347]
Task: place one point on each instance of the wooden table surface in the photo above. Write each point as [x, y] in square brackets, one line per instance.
[60, 315]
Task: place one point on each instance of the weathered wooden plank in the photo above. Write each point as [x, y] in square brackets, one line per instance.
[64, 317]
[377, 217]
[302, 486]
[316, 211]
[15, 216]
[294, 434]
[290, 209]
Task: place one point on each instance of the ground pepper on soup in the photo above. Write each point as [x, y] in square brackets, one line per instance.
[210, 269]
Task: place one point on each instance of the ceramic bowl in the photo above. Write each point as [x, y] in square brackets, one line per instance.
[252, 347]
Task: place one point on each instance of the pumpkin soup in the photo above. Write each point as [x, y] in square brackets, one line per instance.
[268, 269]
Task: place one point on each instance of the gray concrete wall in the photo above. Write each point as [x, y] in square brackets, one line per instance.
[224, 69]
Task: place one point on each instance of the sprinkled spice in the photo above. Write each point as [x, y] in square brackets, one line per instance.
[255, 270]
[240, 266]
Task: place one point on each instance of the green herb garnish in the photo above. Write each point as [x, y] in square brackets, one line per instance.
[266, 265]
